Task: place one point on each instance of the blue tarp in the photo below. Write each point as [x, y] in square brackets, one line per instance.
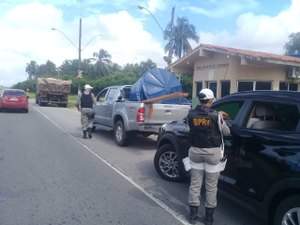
[157, 82]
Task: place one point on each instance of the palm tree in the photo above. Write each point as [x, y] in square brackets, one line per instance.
[179, 37]
[103, 62]
[31, 69]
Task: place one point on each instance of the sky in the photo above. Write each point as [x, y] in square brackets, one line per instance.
[130, 34]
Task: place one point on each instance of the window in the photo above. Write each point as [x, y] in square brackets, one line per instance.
[199, 87]
[101, 96]
[293, 87]
[14, 92]
[273, 116]
[231, 108]
[225, 88]
[111, 94]
[288, 86]
[245, 86]
[212, 85]
[263, 85]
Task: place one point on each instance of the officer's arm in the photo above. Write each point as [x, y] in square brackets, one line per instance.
[94, 99]
[223, 126]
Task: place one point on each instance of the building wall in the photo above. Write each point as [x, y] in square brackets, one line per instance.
[221, 67]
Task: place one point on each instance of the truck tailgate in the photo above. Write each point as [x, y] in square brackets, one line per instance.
[165, 113]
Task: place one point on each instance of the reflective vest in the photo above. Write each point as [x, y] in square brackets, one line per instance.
[204, 128]
[86, 101]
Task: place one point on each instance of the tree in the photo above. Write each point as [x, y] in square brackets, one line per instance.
[293, 45]
[179, 35]
[31, 69]
[47, 70]
[103, 62]
[137, 70]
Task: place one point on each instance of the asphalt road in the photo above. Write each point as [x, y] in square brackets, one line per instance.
[50, 175]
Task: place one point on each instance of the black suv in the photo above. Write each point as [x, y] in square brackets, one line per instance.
[263, 151]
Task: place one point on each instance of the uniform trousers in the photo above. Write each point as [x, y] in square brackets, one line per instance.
[204, 163]
[86, 122]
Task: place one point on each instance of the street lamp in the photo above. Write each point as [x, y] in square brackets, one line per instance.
[80, 49]
[141, 7]
[168, 58]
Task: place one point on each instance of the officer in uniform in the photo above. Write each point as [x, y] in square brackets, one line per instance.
[84, 104]
[206, 129]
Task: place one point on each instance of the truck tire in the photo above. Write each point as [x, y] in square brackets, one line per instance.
[121, 136]
[166, 163]
[288, 211]
[40, 102]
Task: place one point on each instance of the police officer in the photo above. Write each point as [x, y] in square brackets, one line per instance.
[206, 129]
[85, 104]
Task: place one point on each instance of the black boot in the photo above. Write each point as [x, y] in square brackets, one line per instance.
[193, 214]
[84, 135]
[90, 132]
[209, 219]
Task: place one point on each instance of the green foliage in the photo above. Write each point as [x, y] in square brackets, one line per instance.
[28, 84]
[118, 78]
[178, 37]
[293, 45]
[186, 81]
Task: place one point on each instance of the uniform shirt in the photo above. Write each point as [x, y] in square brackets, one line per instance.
[206, 126]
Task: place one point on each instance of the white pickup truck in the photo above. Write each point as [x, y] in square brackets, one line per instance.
[113, 109]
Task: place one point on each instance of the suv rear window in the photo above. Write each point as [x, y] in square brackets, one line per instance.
[14, 92]
[273, 116]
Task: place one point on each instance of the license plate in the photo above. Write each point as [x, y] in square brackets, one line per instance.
[13, 99]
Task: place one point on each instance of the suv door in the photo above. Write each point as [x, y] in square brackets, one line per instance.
[263, 150]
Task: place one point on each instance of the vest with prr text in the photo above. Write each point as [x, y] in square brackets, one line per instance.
[204, 128]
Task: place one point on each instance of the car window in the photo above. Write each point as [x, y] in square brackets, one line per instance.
[126, 93]
[14, 92]
[101, 96]
[231, 108]
[273, 116]
[111, 94]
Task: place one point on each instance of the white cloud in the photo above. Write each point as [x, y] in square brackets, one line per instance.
[26, 35]
[222, 8]
[259, 32]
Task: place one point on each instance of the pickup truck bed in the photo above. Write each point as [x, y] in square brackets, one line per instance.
[113, 109]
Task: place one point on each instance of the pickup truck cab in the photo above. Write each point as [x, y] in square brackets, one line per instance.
[114, 109]
[263, 153]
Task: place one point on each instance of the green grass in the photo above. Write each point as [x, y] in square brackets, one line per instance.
[72, 100]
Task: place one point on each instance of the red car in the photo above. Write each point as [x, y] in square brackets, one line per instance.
[13, 99]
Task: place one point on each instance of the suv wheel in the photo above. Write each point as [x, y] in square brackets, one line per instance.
[288, 211]
[120, 134]
[166, 163]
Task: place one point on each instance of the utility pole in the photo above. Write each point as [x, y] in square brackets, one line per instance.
[170, 56]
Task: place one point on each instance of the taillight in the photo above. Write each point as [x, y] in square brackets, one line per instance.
[24, 99]
[140, 117]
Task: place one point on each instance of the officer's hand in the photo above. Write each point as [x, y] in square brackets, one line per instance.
[225, 115]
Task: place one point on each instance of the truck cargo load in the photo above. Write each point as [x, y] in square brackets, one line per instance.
[157, 82]
[51, 90]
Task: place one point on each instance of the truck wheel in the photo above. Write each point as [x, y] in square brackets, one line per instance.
[288, 211]
[40, 102]
[120, 134]
[166, 163]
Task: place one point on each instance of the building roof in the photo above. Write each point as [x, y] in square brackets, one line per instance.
[186, 63]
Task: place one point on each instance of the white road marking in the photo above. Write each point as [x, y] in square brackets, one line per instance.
[176, 215]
